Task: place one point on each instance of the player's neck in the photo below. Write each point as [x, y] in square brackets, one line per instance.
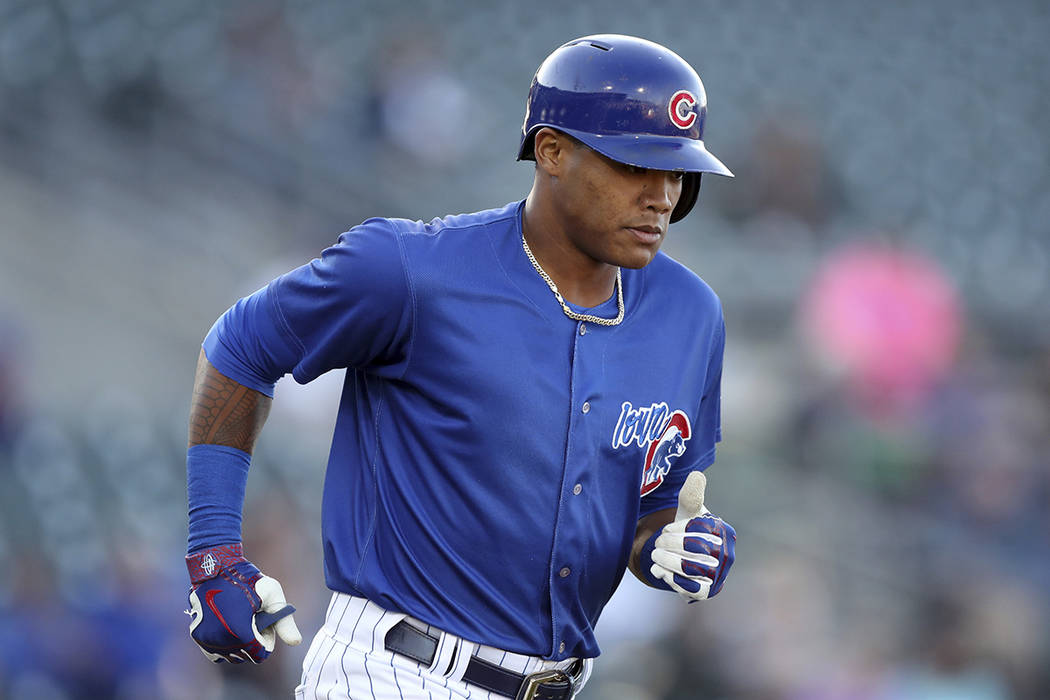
[581, 279]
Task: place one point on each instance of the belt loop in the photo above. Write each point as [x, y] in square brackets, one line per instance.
[465, 652]
[447, 651]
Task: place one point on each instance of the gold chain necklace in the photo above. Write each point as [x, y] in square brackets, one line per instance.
[565, 307]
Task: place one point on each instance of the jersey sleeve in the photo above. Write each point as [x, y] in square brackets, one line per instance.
[707, 431]
[351, 307]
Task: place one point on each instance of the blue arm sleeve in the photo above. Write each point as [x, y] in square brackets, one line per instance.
[351, 307]
[216, 478]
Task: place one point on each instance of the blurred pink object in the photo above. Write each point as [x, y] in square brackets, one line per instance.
[889, 319]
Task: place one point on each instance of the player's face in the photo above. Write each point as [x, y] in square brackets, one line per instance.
[615, 213]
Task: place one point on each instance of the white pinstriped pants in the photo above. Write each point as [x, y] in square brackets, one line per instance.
[348, 660]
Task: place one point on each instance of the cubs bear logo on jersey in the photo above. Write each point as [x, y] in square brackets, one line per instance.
[662, 433]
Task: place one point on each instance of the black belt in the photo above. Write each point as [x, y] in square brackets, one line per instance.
[419, 646]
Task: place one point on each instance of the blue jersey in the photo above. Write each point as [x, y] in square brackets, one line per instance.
[491, 456]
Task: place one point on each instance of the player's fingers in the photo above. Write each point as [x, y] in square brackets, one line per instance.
[689, 542]
[702, 586]
[667, 560]
[708, 524]
[698, 546]
[271, 594]
[692, 589]
[288, 631]
[266, 619]
[691, 496]
[690, 547]
[667, 576]
[265, 636]
[686, 567]
[692, 565]
[700, 569]
[675, 526]
[276, 611]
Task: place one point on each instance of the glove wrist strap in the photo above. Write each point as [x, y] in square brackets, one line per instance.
[207, 563]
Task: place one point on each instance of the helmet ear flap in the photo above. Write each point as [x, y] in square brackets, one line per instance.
[690, 193]
[527, 151]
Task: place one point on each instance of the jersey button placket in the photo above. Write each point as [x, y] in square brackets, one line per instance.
[570, 528]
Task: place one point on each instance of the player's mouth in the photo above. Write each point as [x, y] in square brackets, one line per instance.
[646, 234]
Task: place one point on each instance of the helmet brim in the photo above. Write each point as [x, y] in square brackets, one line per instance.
[644, 151]
[656, 152]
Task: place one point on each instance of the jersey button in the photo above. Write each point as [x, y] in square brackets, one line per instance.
[577, 489]
[586, 407]
[565, 571]
[561, 648]
[583, 329]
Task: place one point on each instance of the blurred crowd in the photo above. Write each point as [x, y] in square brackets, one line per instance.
[883, 258]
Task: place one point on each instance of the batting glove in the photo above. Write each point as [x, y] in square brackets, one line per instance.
[693, 554]
[236, 612]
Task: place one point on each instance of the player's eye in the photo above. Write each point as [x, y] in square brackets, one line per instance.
[678, 175]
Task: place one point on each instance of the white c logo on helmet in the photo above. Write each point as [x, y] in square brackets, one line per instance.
[680, 109]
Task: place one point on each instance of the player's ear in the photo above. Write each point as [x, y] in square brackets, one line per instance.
[550, 148]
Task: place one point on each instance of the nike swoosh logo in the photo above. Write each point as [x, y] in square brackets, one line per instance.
[209, 598]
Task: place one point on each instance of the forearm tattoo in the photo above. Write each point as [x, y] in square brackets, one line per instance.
[224, 412]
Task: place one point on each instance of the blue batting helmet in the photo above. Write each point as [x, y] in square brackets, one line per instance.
[631, 100]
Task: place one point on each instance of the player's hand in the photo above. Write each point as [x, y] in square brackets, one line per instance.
[693, 554]
[237, 612]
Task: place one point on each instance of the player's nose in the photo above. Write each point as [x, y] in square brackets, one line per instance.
[661, 190]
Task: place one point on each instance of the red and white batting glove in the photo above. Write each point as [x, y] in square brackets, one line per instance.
[237, 612]
[691, 555]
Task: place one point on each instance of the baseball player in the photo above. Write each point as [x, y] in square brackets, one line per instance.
[508, 440]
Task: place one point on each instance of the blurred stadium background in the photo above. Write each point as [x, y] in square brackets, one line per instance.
[883, 257]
